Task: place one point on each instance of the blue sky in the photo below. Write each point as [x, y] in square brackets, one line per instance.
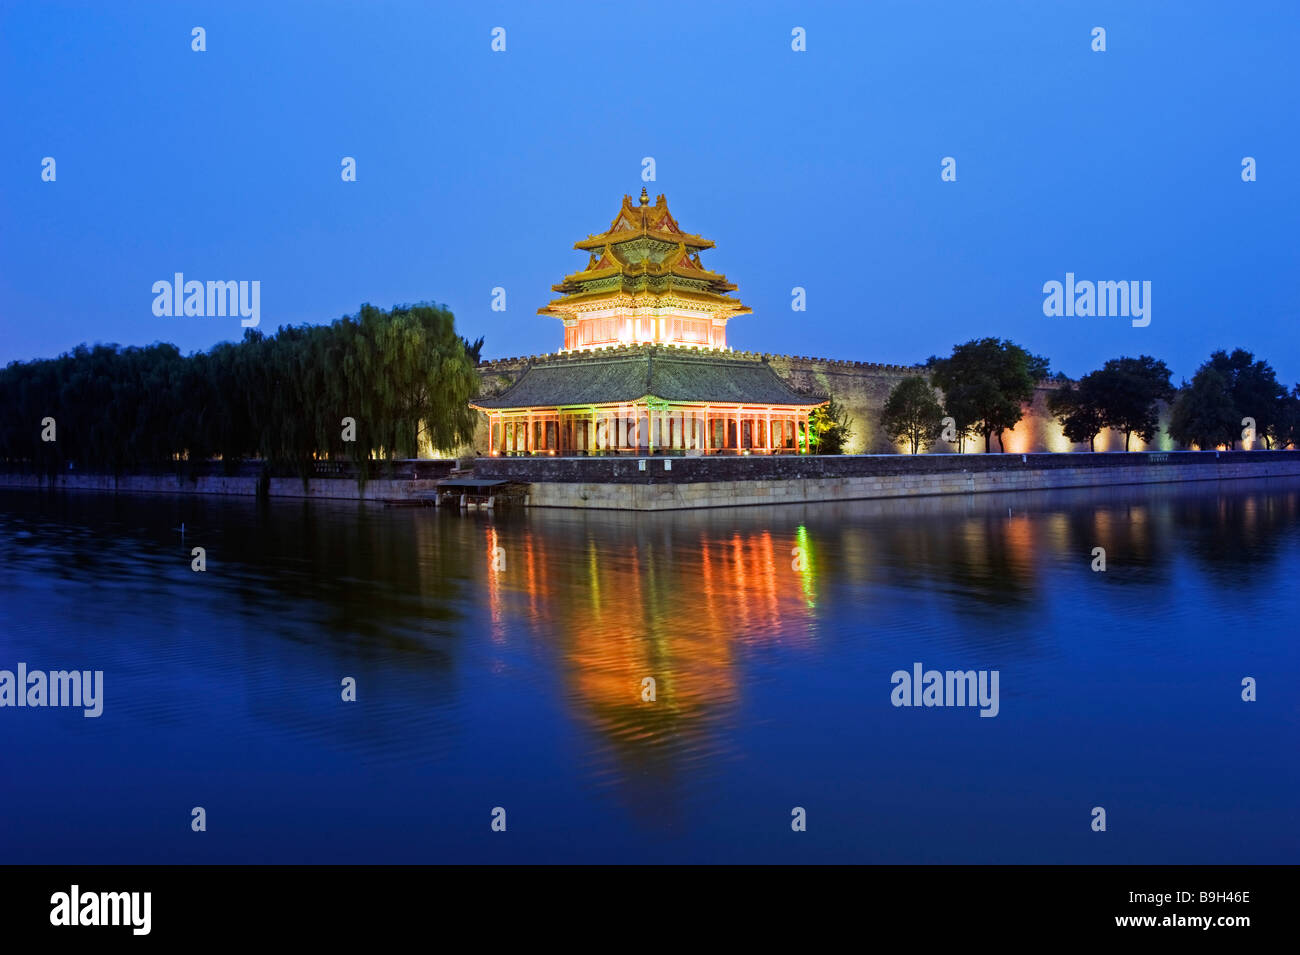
[818, 169]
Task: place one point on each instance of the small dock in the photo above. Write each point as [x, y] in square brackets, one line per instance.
[481, 493]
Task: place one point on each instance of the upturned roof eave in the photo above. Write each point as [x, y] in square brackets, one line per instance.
[719, 299]
[544, 385]
[693, 402]
[631, 235]
[640, 268]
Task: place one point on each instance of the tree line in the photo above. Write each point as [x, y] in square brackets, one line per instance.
[382, 385]
[982, 388]
[402, 378]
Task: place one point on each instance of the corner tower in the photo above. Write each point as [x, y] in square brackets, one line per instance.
[644, 284]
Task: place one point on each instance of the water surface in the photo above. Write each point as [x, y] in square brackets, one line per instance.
[499, 662]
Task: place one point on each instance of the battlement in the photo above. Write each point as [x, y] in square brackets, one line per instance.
[794, 362]
[869, 367]
[615, 351]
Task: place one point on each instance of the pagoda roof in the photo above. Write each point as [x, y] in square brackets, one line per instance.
[646, 255]
[679, 261]
[647, 372]
[643, 219]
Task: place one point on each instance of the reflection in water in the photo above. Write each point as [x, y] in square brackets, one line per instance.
[619, 603]
[535, 631]
[675, 597]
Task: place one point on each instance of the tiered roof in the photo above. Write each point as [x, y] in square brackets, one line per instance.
[668, 374]
[644, 256]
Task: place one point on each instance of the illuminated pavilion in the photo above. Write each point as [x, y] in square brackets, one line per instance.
[645, 367]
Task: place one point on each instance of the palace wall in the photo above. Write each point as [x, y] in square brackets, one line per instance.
[382, 489]
[861, 388]
[679, 482]
[620, 484]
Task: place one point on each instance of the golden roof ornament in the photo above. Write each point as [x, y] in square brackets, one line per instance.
[645, 197]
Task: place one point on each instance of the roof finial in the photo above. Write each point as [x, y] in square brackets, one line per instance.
[645, 197]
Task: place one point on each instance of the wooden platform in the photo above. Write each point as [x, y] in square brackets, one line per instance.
[489, 493]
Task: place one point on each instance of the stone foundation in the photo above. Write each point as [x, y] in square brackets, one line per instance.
[324, 488]
[620, 484]
[669, 483]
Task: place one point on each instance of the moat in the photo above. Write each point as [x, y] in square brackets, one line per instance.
[499, 662]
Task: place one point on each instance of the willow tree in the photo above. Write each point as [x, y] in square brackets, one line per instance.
[404, 376]
[410, 379]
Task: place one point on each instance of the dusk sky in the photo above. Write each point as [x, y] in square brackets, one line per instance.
[818, 169]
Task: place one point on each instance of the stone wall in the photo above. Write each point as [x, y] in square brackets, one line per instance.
[861, 388]
[619, 483]
[681, 482]
[325, 488]
[675, 469]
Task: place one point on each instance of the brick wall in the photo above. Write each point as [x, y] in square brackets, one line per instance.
[618, 484]
[684, 470]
